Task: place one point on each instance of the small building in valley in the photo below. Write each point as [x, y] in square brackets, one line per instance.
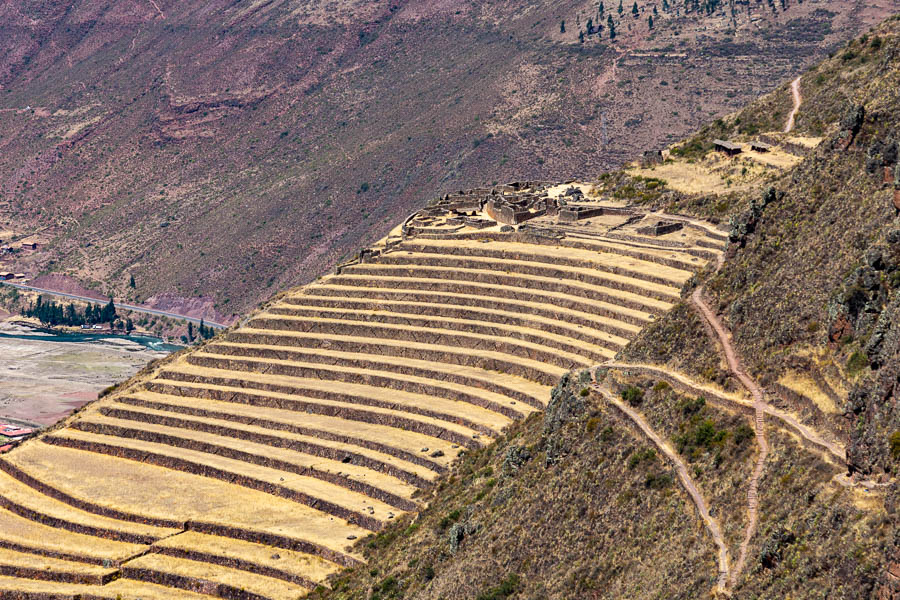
[760, 146]
[651, 157]
[729, 148]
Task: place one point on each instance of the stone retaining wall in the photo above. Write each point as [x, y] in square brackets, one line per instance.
[191, 584]
[536, 276]
[58, 576]
[268, 440]
[275, 540]
[51, 521]
[372, 379]
[29, 549]
[321, 308]
[352, 413]
[498, 288]
[16, 473]
[449, 307]
[288, 427]
[176, 441]
[235, 563]
[507, 255]
[196, 468]
[360, 362]
[443, 344]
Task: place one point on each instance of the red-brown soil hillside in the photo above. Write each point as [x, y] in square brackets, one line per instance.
[229, 149]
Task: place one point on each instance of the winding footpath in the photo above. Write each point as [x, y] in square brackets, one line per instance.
[686, 481]
[831, 451]
[795, 92]
[759, 406]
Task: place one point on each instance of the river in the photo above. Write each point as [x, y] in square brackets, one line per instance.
[45, 376]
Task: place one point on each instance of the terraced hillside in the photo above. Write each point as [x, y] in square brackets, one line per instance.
[247, 467]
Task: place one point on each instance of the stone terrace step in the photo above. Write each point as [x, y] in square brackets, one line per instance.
[322, 496]
[438, 339]
[624, 292]
[295, 567]
[285, 344]
[349, 308]
[382, 439]
[536, 274]
[19, 533]
[398, 358]
[487, 308]
[567, 251]
[260, 431]
[205, 504]
[610, 270]
[520, 331]
[356, 402]
[32, 566]
[215, 580]
[120, 589]
[31, 504]
[604, 305]
[689, 258]
[481, 401]
[363, 480]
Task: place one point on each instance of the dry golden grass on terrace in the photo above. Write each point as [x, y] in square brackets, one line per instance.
[808, 388]
[18, 530]
[716, 173]
[251, 465]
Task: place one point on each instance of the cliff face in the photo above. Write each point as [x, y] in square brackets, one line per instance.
[229, 150]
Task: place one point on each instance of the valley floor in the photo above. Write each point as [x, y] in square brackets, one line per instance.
[44, 380]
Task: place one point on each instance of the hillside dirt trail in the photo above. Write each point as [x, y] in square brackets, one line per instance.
[795, 92]
[686, 481]
[831, 451]
[759, 406]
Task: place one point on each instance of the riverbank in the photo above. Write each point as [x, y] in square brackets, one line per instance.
[31, 329]
[44, 377]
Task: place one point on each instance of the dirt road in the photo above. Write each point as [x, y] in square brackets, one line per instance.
[795, 92]
[131, 307]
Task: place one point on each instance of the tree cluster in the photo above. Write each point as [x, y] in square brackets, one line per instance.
[50, 313]
[203, 332]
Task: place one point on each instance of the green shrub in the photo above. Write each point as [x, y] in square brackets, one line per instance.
[633, 395]
[743, 433]
[449, 520]
[661, 386]
[607, 434]
[894, 442]
[388, 588]
[692, 407]
[657, 481]
[506, 589]
[647, 454]
[856, 363]
[383, 539]
[584, 392]
[592, 424]
[700, 435]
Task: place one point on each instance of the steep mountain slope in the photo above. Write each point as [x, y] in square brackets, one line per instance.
[769, 390]
[225, 150]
